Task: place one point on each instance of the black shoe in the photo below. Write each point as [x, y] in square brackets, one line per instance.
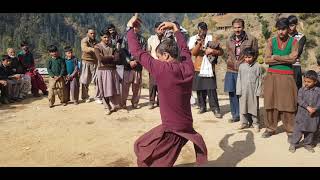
[217, 114]
[292, 148]
[201, 111]
[309, 148]
[45, 93]
[267, 134]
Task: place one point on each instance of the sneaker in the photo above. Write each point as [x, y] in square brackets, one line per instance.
[292, 148]
[88, 100]
[267, 134]
[98, 101]
[51, 106]
[243, 126]
[64, 104]
[309, 148]
[217, 114]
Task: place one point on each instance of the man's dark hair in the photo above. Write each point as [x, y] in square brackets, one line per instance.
[157, 24]
[5, 57]
[24, 43]
[90, 28]
[249, 52]
[238, 20]
[109, 26]
[170, 46]
[68, 49]
[203, 26]
[311, 74]
[105, 32]
[52, 48]
[282, 23]
[293, 19]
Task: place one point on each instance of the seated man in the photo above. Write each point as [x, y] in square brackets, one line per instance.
[10, 77]
[173, 72]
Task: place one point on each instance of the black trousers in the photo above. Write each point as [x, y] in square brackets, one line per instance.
[153, 93]
[4, 91]
[213, 99]
[298, 76]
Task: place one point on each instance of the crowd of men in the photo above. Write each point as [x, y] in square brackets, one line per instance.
[116, 62]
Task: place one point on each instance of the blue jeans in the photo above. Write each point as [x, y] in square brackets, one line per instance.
[230, 83]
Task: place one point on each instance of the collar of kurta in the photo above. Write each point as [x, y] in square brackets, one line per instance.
[243, 37]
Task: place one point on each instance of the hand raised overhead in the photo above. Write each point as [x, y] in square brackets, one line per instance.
[134, 21]
[168, 25]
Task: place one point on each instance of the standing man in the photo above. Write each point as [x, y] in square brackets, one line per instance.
[153, 42]
[204, 86]
[89, 63]
[132, 74]
[235, 45]
[301, 38]
[280, 90]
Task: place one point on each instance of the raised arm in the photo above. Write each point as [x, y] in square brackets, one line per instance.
[183, 47]
[143, 57]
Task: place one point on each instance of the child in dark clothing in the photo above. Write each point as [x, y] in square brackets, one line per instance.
[307, 117]
[72, 78]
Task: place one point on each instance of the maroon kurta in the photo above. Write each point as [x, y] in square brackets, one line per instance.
[174, 80]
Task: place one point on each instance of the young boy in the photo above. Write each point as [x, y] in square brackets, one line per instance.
[108, 85]
[249, 89]
[57, 70]
[173, 72]
[307, 117]
[72, 78]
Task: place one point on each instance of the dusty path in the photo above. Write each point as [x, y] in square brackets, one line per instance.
[31, 134]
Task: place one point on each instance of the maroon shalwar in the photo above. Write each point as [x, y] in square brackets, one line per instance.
[161, 145]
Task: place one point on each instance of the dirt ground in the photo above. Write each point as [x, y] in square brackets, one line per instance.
[32, 134]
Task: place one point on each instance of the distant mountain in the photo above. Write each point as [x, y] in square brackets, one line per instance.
[61, 29]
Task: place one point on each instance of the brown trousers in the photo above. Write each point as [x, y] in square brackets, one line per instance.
[273, 116]
[56, 87]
